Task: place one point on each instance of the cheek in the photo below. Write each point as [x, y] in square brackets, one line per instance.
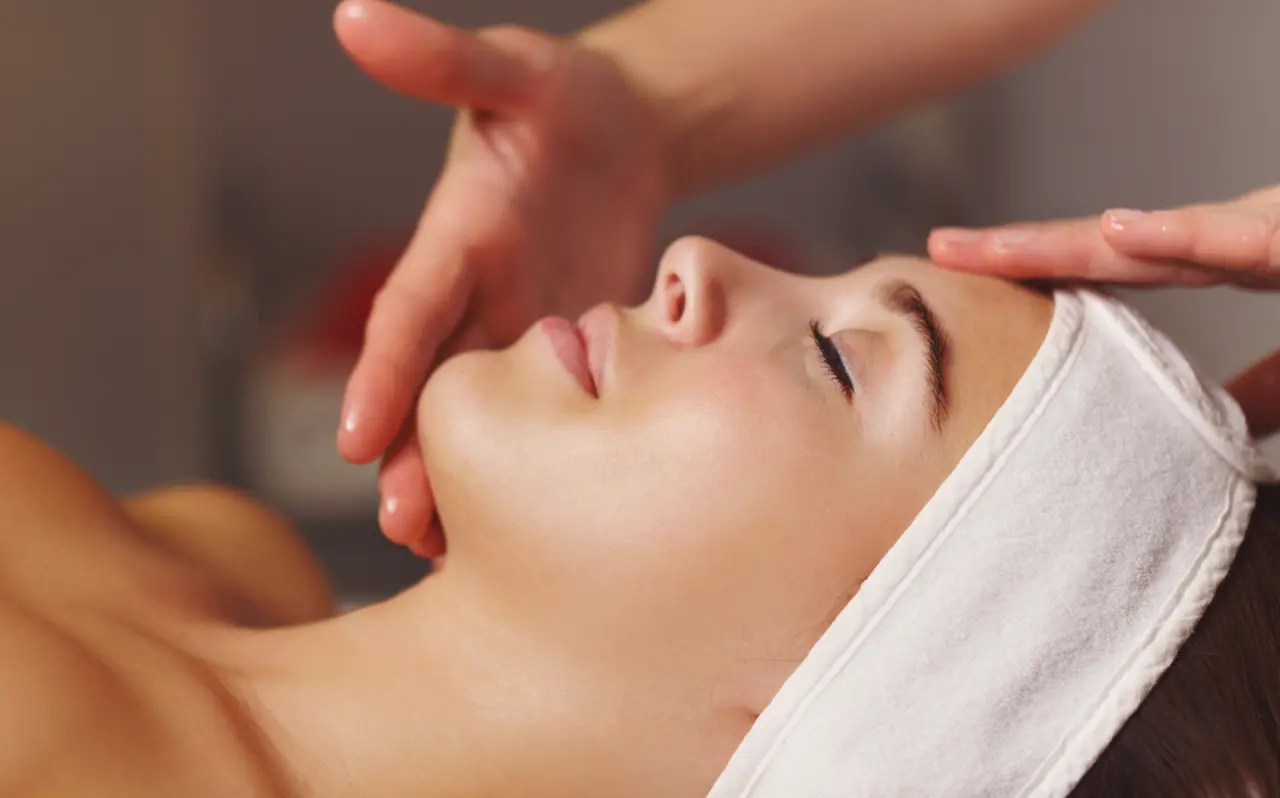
[679, 496]
[714, 511]
[486, 416]
[750, 518]
[690, 451]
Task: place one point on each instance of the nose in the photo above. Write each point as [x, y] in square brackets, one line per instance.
[691, 292]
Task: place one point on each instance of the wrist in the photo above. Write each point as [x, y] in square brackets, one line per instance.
[685, 107]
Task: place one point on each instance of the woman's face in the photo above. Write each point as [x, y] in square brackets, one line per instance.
[734, 460]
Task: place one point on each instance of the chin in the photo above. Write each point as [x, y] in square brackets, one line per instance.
[484, 418]
[455, 419]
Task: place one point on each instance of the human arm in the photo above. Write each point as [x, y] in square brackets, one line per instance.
[743, 87]
[254, 553]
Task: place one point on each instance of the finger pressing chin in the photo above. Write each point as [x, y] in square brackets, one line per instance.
[407, 503]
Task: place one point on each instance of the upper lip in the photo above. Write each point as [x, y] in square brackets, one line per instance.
[598, 327]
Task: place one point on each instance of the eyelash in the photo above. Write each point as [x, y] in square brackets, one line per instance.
[832, 360]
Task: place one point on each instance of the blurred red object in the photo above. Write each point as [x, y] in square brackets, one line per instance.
[294, 391]
[333, 328]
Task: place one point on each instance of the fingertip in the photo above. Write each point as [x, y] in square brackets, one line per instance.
[353, 448]
[374, 409]
[956, 248]
[1121, 220]
[431, 546]
[403, 519]
[944, 243]
[954, 236]
[351, 9]
[350, 18]
[356, 441]
[350, 13]
[383, 36]
[388, 509]
[429, 549]
[407, 506]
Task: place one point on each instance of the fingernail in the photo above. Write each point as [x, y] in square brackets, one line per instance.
[1009, 238]
[348, 416]
[1121, 219]
[956, 235]
[953, 243]
[389, 521]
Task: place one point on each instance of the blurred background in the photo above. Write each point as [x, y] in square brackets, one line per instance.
[197, 197]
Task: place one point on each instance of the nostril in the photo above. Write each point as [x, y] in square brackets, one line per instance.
[675, 298]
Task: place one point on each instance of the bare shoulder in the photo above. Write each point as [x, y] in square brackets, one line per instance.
[247, 546]
[93, 707]
[96, 697]
[63, 538]
[53, 690]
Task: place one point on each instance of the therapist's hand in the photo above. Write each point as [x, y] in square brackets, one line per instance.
[1236, 242]
[549, 202]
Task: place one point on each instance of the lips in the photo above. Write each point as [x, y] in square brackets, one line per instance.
[599, 329]
[571, 349]
[585, 348]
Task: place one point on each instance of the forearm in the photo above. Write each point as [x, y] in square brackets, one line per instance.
[740, 85]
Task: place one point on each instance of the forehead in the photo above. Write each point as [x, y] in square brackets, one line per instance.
[940, 286]
[968, 305]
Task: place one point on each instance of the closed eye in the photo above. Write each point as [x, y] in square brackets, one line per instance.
[832, 360]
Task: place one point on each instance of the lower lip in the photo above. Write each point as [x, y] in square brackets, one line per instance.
[570, 348]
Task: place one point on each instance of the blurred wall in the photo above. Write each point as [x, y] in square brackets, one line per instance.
[100, 230]
[1158, 102]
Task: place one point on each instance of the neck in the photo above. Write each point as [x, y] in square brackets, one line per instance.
[418, 696]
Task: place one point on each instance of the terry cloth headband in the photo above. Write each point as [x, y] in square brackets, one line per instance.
[1033, 603]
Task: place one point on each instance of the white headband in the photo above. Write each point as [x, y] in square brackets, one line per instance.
[1033, 603]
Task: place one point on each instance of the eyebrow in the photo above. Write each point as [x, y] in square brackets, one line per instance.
[902, 298]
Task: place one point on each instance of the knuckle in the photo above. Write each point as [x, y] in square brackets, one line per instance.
[1191, 237]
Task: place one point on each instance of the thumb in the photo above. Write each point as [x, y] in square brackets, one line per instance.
[419, 57]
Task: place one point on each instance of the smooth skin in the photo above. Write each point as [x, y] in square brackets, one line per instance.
[99, 698]
[633, 573]
[1225, 243]
[566, 153]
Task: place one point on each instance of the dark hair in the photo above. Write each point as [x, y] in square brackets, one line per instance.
[1211, 726]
